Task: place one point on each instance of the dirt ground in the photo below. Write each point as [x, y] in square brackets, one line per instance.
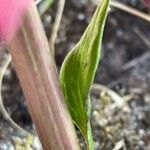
[124, 68]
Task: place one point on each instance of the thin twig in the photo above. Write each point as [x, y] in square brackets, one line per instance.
[119, 102]
[136, 60]
[142, 37]
[56, 25]
[4, 65]
[114, 96]
[130, 10]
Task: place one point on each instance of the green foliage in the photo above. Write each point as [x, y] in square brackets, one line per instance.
[44, 5]
[79, 68]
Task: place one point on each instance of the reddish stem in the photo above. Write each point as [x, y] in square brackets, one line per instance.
[37, 73]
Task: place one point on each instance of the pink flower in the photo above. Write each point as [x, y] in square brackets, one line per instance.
[147, 2]
[11, 12]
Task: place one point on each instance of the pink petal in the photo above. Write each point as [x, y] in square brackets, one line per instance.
[11, 12]
[147, 2]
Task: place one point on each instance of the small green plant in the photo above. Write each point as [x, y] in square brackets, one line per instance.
[78, 71]
[36, 70]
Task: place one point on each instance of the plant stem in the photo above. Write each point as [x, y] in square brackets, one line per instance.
[90, 142]
[90, 145]
[56, 25]
[37, 73]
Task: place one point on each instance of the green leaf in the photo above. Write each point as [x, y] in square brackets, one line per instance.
[44, 5]
[79, 68]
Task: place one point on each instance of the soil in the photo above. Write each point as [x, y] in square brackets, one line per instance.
[124, 68]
